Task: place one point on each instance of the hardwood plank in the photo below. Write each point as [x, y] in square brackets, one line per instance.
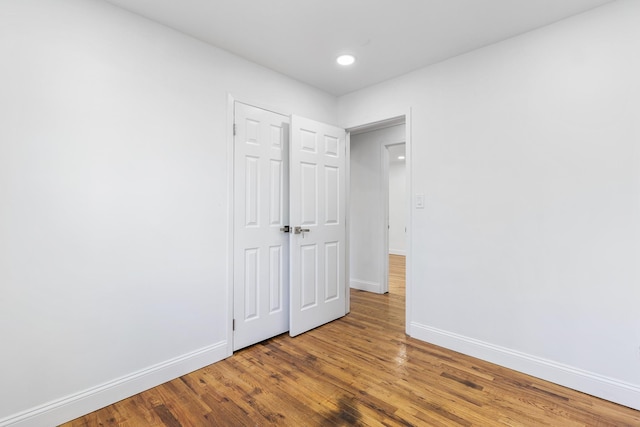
[361, 370]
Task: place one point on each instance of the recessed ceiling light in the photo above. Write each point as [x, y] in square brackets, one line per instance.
[346, 59]
[400, 157]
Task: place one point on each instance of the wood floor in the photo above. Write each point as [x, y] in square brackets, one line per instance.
[359, 370]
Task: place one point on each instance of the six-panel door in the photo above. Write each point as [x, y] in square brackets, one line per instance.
[318, 204]
[261, 209]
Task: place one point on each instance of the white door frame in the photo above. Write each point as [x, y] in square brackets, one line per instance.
[371, 121]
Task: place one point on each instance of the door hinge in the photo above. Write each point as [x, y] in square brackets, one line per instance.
[233, 325]
[234, 129]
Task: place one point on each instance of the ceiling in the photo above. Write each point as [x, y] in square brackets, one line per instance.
[302, 38]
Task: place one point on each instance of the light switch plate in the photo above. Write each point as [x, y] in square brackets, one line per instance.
[419, 201]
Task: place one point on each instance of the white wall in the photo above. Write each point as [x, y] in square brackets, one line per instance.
[528, 250]
[368, 209]
[113, 202]
[397, 207]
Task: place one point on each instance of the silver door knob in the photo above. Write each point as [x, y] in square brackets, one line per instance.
[299, 230]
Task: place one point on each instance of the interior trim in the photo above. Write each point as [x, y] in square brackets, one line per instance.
[568, 376]
[89, 400]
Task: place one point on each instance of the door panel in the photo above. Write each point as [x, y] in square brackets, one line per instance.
[317, 200]
[261, 250]
[309, 193]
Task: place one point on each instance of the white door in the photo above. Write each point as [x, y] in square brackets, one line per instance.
[261, 206]
[318, 199]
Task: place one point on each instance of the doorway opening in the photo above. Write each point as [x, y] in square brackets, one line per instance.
[370, 265]
[396, 197]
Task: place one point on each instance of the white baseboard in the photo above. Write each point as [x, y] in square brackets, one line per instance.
[397, 252]
[76, 405]
[363, 285]
[587, 382]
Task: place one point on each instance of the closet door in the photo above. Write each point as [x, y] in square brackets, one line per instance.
[261, 206]
[317, 215]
